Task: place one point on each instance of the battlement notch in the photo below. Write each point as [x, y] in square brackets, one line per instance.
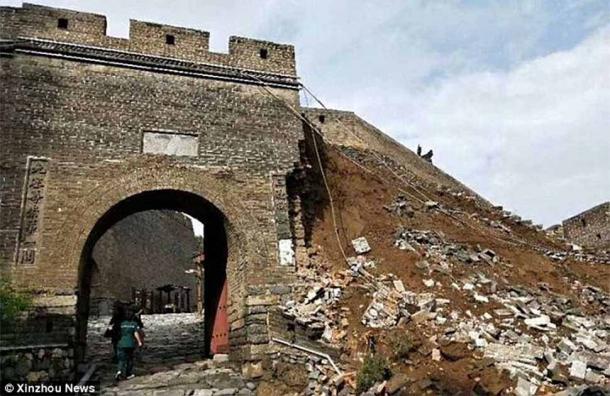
[88, 29]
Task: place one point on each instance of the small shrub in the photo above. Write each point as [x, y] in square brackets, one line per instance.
[402, 345]
[374, 369]
[12, 303]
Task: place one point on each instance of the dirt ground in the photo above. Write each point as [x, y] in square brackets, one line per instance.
[359, 198]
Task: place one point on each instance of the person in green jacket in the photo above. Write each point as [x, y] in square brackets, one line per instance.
[130, 337]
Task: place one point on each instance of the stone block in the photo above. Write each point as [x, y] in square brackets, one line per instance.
[361, 245]
[252, 370]
[525, 388]
[578, 370]
[269, 299]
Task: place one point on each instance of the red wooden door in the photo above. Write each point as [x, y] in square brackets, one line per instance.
[220, 332]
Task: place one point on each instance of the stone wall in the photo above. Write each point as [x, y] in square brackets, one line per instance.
[590, 228]
[76, 106]
[42, 22]
[145, 250]
[345, 128]
[37, 363]
[38, 346]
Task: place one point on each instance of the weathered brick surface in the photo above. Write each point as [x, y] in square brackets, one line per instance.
[590, 228]
[144, 38]
[145, 250]
[68, 96]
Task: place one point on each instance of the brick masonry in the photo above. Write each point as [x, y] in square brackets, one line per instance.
[80, 102]
[145, 250]
[590, 228]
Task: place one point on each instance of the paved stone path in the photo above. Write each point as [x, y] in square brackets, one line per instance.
[203, 378]
[171, 339]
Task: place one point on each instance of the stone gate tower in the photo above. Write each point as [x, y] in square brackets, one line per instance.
[94, 128]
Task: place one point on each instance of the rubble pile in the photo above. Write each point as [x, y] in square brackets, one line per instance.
[539, 337]
[386, 308]
[323, 380]
[314, 307]
[576, 253]
[394, 306]
[316, 373]
[564, 344]
[432, 245]
[400, 207]
[458, 302]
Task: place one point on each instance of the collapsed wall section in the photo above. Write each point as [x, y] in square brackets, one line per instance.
[345, 128]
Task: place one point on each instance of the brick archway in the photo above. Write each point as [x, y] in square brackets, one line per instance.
[167, 185]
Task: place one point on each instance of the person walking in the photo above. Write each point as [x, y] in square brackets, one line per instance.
[138, 319]
[130, 337]
[113, 331]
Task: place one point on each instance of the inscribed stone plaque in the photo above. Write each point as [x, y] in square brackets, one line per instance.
[31, 210]
[170, 144]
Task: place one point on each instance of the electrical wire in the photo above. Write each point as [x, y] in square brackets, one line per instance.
[313, 127]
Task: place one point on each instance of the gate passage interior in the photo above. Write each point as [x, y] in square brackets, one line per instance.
[215, 331]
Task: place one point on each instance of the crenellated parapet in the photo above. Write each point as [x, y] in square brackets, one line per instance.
[51, 28]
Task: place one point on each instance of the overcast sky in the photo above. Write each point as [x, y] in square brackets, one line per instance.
[513, 96]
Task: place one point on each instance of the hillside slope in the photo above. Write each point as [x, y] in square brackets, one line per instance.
[458, 295]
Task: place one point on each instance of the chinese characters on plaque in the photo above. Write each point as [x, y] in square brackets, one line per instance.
[35, 182]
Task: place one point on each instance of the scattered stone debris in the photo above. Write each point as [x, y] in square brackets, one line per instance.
[361, 245]
[356, 263]
[315, 308]
[525, 388]
[431, 205]
[432, 245]
[463, 304]
[602, 257]
[400, 207]
[536, 335]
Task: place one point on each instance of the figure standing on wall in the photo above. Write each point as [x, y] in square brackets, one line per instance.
[130, 337]
[428, 156]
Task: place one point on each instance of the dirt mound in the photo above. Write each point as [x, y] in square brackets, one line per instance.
[449, 281]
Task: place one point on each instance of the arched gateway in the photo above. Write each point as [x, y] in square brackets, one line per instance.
[95, 128]
[220, 262]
